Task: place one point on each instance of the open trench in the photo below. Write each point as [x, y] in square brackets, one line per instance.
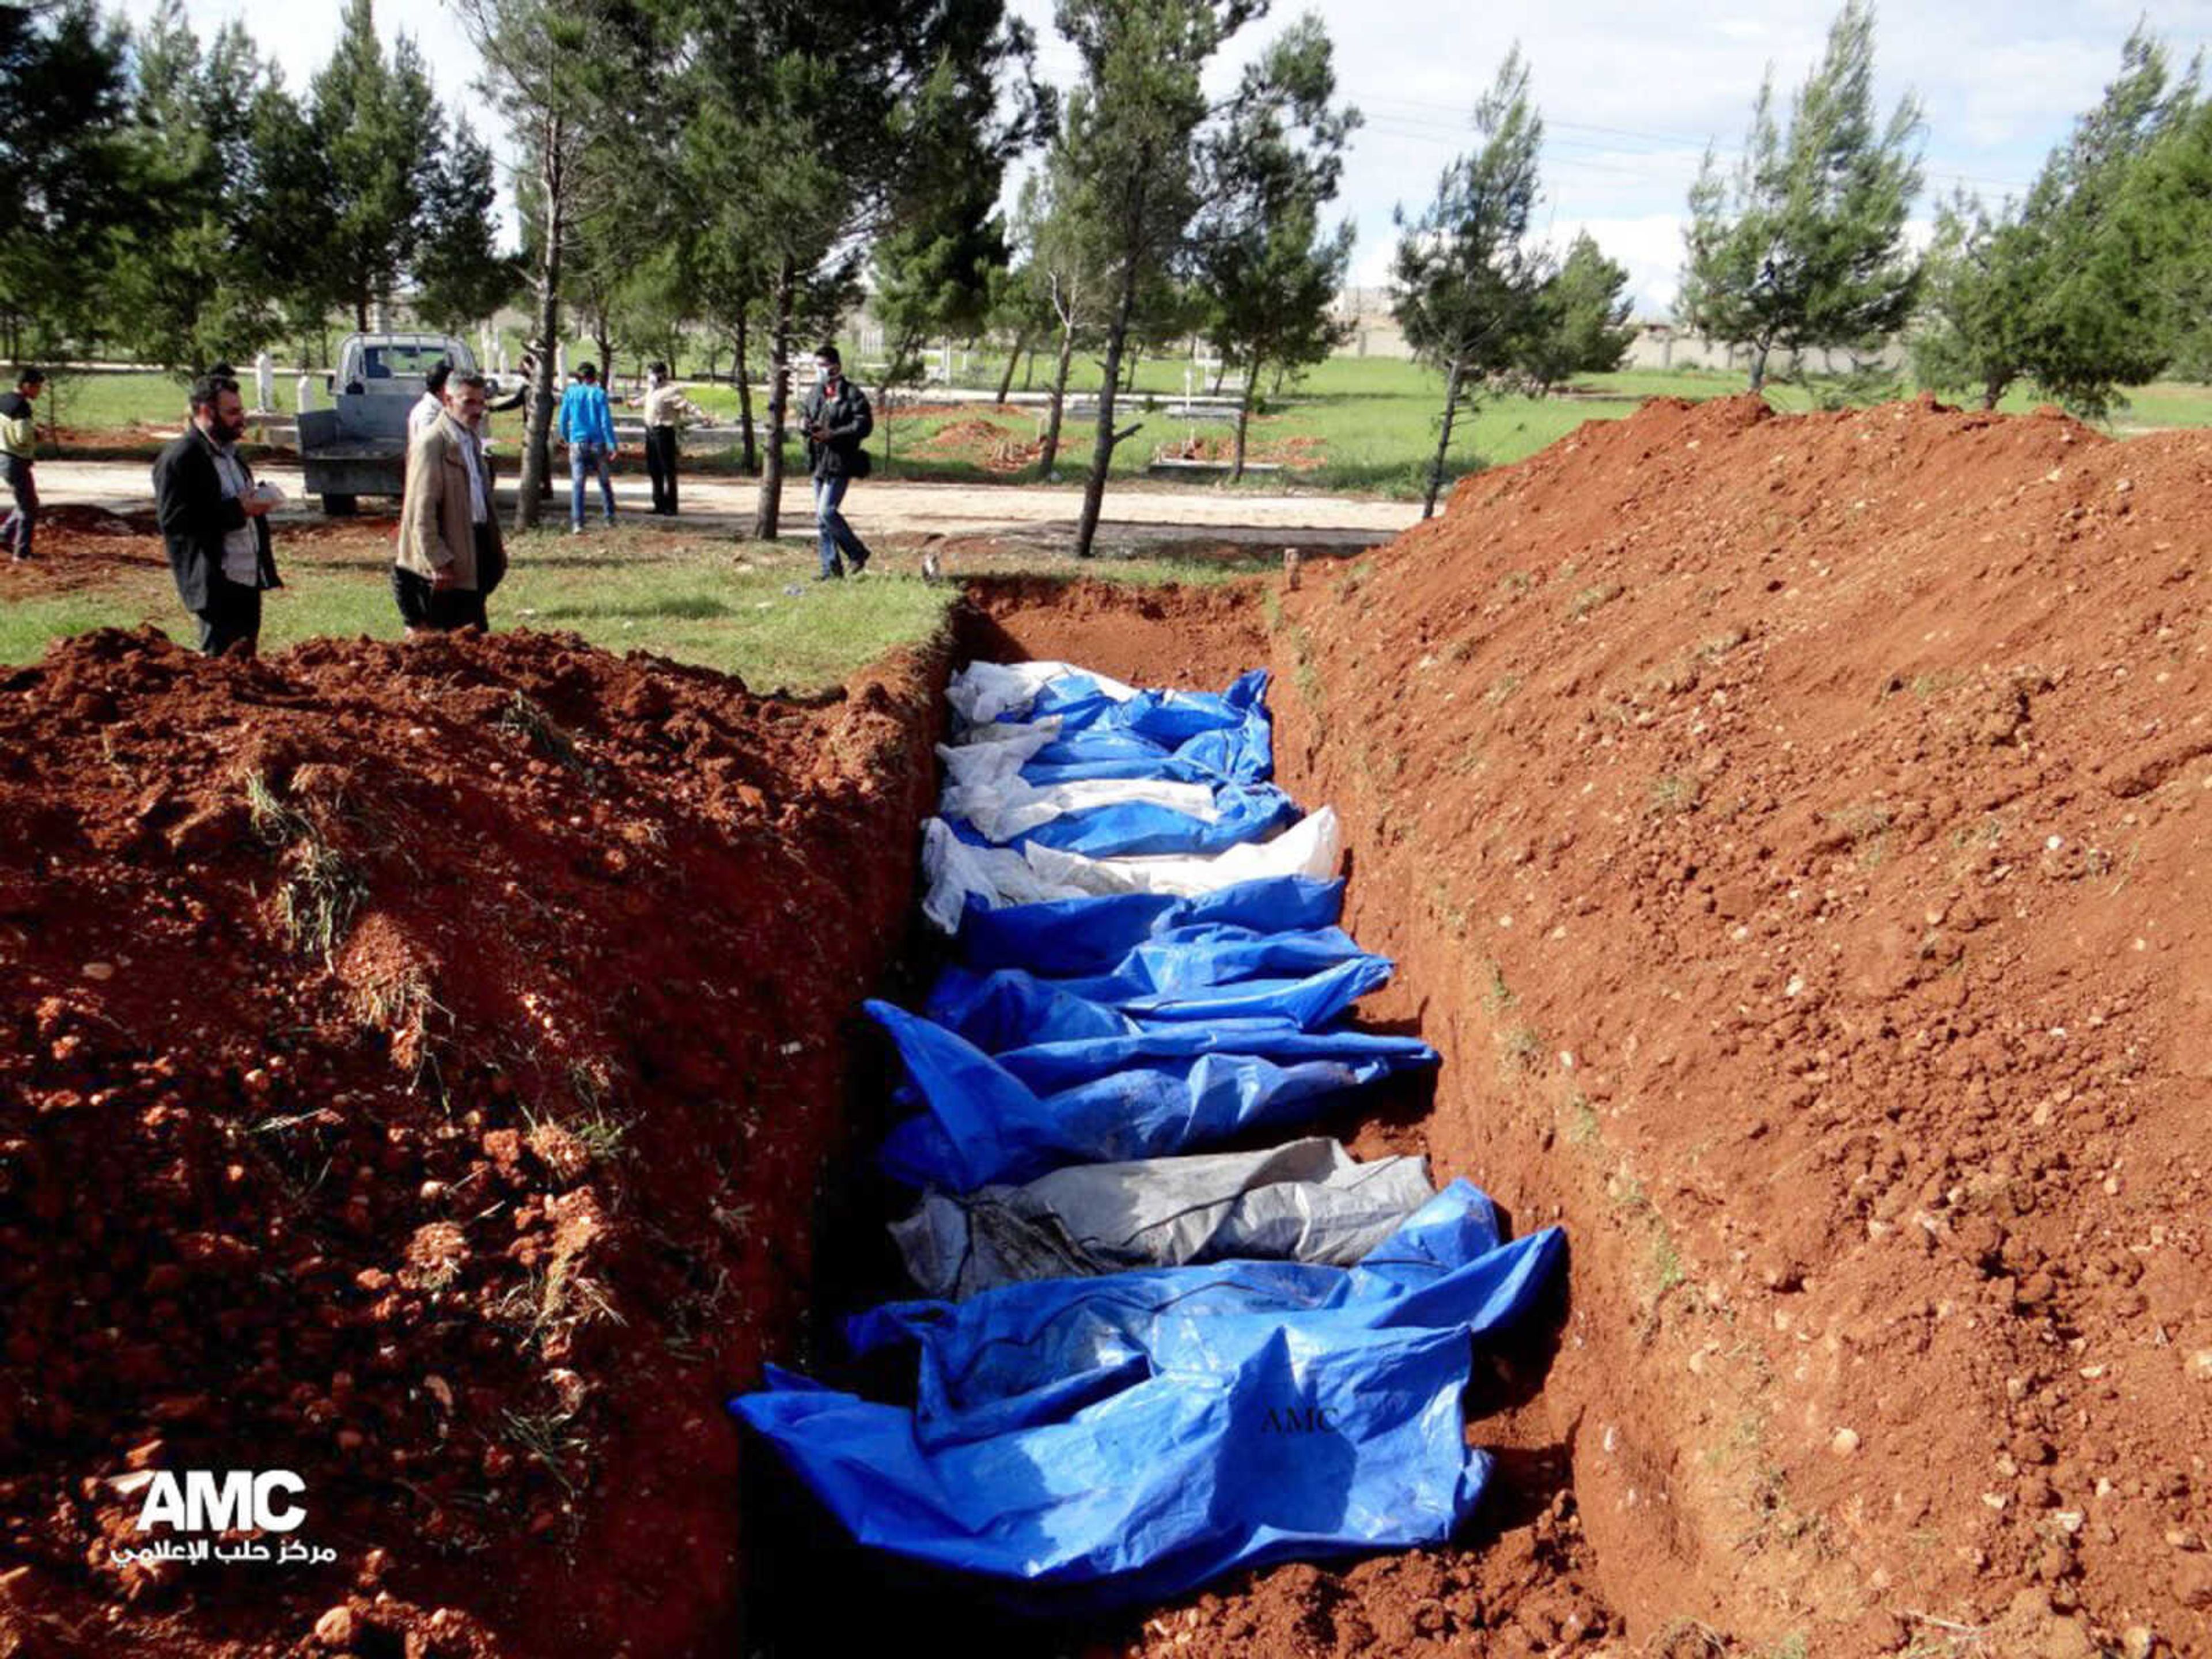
[1527, 1578]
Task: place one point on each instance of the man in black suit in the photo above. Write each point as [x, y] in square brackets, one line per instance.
[213, 520]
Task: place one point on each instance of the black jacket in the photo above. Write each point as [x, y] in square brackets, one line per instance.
[195, 516]
[849, 421]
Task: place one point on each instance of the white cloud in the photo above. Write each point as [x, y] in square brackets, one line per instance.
[1630, 93]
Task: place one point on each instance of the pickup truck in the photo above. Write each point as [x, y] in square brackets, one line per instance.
[359, 446]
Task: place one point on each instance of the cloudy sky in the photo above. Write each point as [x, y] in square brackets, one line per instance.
[1630, 94]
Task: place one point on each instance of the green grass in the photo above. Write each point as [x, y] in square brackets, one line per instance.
[109, 401]
[722, 603]
[631, 589]
[1375, 419]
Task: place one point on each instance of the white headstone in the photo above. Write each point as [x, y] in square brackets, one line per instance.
[560, 364]
[304, 392]
[265, 382]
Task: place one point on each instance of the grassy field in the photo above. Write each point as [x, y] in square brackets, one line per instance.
[748, 609]
[1374, 421]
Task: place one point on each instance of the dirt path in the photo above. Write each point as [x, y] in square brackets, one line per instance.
[875, 509]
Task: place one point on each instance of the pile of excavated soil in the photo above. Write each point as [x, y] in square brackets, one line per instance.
[1798, 829]
[421, 1063]
[1300, 452]
[1794, 833]
[987, 444]
[80, 547]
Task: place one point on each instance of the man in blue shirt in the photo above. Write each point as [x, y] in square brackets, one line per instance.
[587, 426]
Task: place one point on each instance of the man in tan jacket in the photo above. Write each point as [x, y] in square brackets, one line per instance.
[451, 554]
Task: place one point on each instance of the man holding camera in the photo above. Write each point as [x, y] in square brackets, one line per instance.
[213, 520]
[836, 421]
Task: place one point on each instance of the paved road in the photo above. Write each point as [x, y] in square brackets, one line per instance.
[886, 507]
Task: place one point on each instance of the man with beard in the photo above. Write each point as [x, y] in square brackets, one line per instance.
[451, 554]
[213, 520]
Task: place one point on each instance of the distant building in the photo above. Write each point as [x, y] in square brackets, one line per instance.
[1663, 345]
[1375, 334]
[1375, 331]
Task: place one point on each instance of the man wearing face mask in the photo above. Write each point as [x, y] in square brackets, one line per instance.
[836, 421]
[450, 553]
[213, 520]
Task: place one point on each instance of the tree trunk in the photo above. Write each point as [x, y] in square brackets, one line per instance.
[893, 365]
[1102, 453]
[1758, 366]
[1029, 370]
[1992, 389]
[361, 314]
[1444, 442]
[1244, 418]
[538, 424]
[748, 456]
[1135, 359]
[1049, 455]
[1006, 381]
[779, 394]
[1220, 374]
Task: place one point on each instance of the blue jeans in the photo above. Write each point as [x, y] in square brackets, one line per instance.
[15, 529]
[836, 534]
[585, 458]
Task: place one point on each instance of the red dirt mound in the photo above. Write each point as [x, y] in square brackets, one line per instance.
[80, 547]
[1791, 830]
[987, 444]
[422, 1061]
[1300, 452]
[1794, 829]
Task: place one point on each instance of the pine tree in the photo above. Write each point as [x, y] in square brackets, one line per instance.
[1579, 320]
[183, 290]
[1466, 280]
[378, 124]
[66, 167]
[1805, 247]
[1268, 271]
[564, 70]
[1067, 267]
[460, 275]
[2073, 288]
[1130, 144]
[937, 277]
[815, 131]
[2169, 196]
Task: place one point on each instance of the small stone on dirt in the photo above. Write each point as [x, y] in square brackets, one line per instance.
[336, 1628]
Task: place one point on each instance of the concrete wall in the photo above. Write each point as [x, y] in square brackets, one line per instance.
[1662, 345]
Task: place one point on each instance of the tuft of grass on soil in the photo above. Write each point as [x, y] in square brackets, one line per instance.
[320, 889]
[1673, 794]
[523, 715]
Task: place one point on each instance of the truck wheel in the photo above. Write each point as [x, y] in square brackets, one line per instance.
[340, 506]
